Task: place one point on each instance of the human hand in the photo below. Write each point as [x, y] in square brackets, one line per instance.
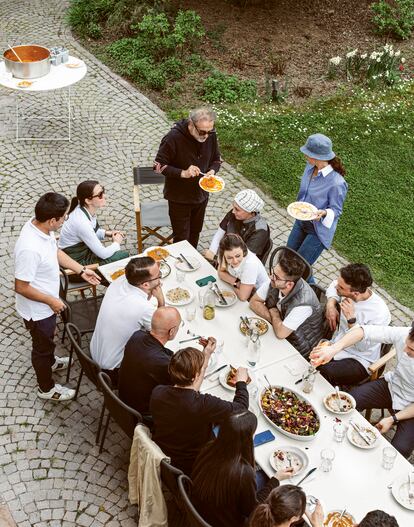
[348, 308]
[284, 473]
[332, 316]
[208, 255]
[56, 305]
[321, 354]
[385, 424]
[210, 173]
[210, 346]
[317, 516]
[319, 215]
[90, 276]
[117, 237]
[158, 294]
[241, 375]
[192, 171]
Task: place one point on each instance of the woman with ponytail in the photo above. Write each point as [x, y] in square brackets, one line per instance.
[225, 491]
[324, 186]
[81, 236]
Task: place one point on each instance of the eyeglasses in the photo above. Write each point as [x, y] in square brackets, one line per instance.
[202, 133]
[100, 194]
[151, 279]
[275, 277]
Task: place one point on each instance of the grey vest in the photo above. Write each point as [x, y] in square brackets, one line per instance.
[308, 334]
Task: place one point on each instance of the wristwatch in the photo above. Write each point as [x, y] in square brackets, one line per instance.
[82, 271]
[395, 419]
[351, 320]
[237, 283]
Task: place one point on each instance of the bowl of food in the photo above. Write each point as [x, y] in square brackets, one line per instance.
[289, 457]
[179, 296]
[157, 253]
[27, 62]
[256, 324]
[290, 413]
[339, 519]
[344, 405]
[227, 378]
[212, 184]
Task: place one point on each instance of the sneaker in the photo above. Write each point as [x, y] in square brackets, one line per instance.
[61, 363]
[57, 393]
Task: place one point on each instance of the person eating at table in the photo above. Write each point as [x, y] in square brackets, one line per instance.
[358, 304]
[245, 220]
[81, 236]
[290, 304]
[240, 267]
[146, 359]
[377, 518]
[188, 150]
[225, 489]
[394, 391]
[128, 305]
[183, 417]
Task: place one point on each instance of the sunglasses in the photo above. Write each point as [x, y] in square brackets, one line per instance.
[100, 194]
[202, 133]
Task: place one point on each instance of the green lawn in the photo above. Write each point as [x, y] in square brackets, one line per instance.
[373, 134]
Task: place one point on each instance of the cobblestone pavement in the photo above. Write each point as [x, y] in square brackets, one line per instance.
[50, 470]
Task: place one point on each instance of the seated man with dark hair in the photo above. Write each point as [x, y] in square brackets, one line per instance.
[359, 305]
[378, 518]
[126, 307]
[290, 304]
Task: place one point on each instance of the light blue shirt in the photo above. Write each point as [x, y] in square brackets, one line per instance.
[326, 191]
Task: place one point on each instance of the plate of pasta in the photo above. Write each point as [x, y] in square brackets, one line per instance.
[179, 296]
[302, 210]
[212, 184]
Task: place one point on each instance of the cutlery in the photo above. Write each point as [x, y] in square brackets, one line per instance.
[411, 485]
[364, 433]
[310, 371]
[311, 471]
[215, 371]
[289, 458]
[342, 513]
[189, 340]
[358, 431]
[246, 323]
[216, 289]
[339, 398]
[14, 51]
[186, 261]
[268, 382]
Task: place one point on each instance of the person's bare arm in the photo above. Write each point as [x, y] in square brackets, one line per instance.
[30, 292]
[69, 263]
[332, 313]
[323, 354]
[386, 423]
[258, 306]
[280, 330]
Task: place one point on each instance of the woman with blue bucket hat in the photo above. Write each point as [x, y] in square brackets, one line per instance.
[324, 186]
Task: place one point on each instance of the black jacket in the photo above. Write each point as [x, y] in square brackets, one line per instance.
[178, 150]
[255, 231]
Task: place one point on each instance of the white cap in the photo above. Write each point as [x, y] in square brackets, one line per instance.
[249, 201]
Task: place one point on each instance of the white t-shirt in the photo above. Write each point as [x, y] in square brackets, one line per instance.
[79, 227]
[251, 271]
[36, 262]
[296, 317]
[125, 309]
[373, 311]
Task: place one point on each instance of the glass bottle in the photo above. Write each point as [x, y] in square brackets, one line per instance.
[209, 303]
[253, 348]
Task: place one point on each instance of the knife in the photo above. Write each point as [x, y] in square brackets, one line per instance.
[311, 471]
[215, 371]
[216, 289]
[359, 432]
[189, 340]
[186, 261]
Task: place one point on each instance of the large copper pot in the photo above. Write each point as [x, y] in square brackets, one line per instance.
[35, 61]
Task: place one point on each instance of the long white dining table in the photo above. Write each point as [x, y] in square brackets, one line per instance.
[357, 482]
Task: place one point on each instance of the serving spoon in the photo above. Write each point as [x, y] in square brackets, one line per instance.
[11, 47]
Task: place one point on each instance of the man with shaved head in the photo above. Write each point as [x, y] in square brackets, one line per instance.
[146, 360]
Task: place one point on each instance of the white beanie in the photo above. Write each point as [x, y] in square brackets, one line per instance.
[249, 201]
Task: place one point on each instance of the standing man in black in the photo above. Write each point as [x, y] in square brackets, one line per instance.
[189, 148]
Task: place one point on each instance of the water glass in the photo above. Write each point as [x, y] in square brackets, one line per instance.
[190, 313]
[339, 431]
[388, 457]
[219, 346]
[201, 298]
[253, 349]
[180, 276]
[309, 380]
[327, 456]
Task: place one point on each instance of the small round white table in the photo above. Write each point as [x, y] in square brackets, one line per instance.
[59, 77]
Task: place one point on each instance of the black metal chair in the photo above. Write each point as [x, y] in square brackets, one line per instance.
[69, 286]
[193, 517]
[126, 417]
[150, 217]
[307, 273]
[266, 251]
[88, 366]
[169, 477]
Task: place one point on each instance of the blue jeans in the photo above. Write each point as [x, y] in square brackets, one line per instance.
[303, 239]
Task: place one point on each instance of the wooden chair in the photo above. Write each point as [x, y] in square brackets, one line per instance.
[377, 369]
[308, 269]
[150, 217]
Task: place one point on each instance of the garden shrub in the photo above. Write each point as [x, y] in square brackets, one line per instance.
[219, 87]
[396, 17]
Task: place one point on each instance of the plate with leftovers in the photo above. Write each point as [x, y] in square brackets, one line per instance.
[400, 490]
[230, 296]
[357, 438]
[334, 519]
[344, 405]
[302, 210]
[290, 413]
[212, 184]
[181, 265]
[179, 296]
[256, 323]
[158, 253]
[287, 456]
[228, 375]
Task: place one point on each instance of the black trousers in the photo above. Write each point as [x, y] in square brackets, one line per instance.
[376, 394]
[187, 220]
[343, 372]
[43, 350]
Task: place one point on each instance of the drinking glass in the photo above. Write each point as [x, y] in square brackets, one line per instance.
[388, 457]
[190, 313]
[180, 276]
[309, 380]
[339, 431]
[219, 346]
[327, 456]
[253, 349]
[201, 298]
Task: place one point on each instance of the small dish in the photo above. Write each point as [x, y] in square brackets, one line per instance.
[331, 403]
[302, 210]
[224, 377]
[400, 490]
[334, 519]
[355, 439]
[230, 296]
[279, 459]
[212, 184]
[260, 325]
[179, 296]
[181, 265]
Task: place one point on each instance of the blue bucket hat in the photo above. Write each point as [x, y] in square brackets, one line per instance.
[318, 146]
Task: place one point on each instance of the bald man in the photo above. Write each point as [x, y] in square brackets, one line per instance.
[146, 359]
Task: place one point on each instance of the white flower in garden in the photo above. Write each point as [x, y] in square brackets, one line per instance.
[398, 53]
[379, 59]
[351, 54]
[402, 60]
[373, 55]
[364, 56]
[335, 61]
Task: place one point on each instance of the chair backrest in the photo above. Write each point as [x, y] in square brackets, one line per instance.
[147, 176]
[63, 284]
[266, 251]
[126, 417]
[89, 366]
[385, 348]
[169, 477]
[308, 269]
[194, 519]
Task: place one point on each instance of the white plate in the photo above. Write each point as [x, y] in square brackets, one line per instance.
[145, 253]
[295, 210]
[182, 266]
[355, 439]
[179, 302]
[230, 297]
[298, 456]
[223, 379]
[213, 191]
[400, 492]
[347, 514]
[334, 409]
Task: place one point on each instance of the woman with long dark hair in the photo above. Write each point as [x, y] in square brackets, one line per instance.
[324, 186]
[81, 236]
[224, 477]
[240, 267]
